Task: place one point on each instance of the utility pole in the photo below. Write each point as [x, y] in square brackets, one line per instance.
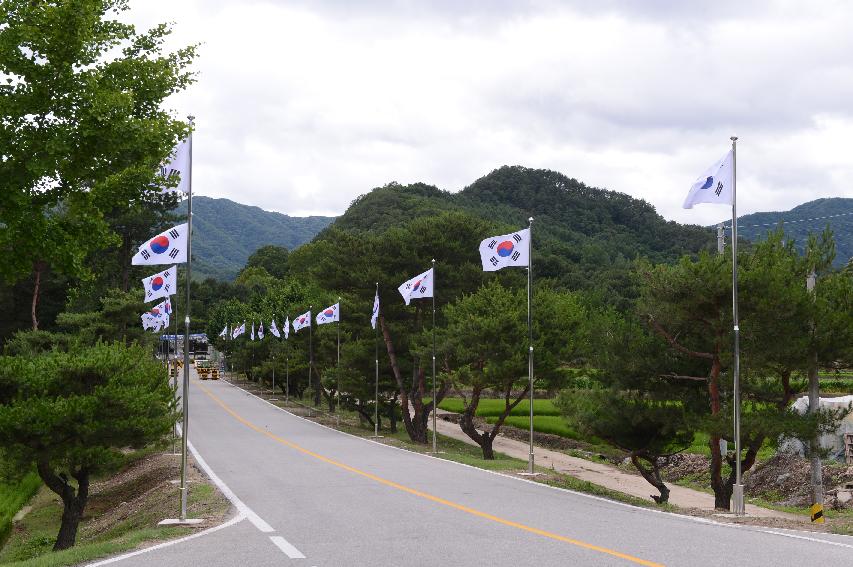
[721, 239]
[814, 408]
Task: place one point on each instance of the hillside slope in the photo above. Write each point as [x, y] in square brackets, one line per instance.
[813, 217]
[226, 233]
[584, 238]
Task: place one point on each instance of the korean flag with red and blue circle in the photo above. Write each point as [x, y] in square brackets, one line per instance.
[161, 284]
[166, 248]
[505, 251]
[329, 314]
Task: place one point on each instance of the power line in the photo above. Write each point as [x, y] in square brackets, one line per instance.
[783, 221]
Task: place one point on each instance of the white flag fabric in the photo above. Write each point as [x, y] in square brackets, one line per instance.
[274, 330]
[224, 331]
[238, 331]
[252, 336]
[417, 287]
[375, 314]
[286, 327]
[329, 314]
[261, 331]
[161, 284]
[149, 321]
[302, 321]
[177, 165]
[713, 186]
[165, 248]
[505, 251]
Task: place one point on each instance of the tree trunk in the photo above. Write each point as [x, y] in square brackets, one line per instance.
[38, 269]
[652, 474]
[398, 378]
[74, 502]
[722, 492]
[392, 414]
[486, 439]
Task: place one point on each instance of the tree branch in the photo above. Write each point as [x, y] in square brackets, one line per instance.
[675, 344]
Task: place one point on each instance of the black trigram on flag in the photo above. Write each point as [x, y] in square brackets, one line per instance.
[145, 254]
[492, 246]
[166, 274]
[494, 261]
[174, 234]
[166, 287]
[423, 289]
[150, 293]
[173, 254]
[515, 255]
[517, 239]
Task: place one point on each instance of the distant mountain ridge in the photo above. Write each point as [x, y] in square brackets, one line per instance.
[584, 237]
[814, 216]
[226, 233]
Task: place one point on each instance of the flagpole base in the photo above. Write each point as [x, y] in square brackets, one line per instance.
[738, 505]
[525, 473]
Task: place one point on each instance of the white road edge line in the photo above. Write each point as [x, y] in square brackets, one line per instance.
[250, 514]
[590, 496]
[235, 520]
[286, 547]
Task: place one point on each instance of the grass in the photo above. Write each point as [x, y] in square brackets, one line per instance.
[119, 518]
[13, 496]
[491, 407]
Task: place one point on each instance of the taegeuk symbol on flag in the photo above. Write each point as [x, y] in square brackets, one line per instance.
[161, 284]
[329, 314]
[417, 287]
[165, 248]
[506, 250]
[302, 321]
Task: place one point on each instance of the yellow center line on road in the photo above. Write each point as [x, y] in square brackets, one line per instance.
[427, 496]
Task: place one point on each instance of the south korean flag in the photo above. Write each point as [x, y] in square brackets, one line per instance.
[417, 287]
[162, 284]
[274, 329]
[302, 321]
[506, 251]
[165, 248]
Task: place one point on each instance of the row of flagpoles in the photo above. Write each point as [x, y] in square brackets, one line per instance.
[173, 246]
[717, 186]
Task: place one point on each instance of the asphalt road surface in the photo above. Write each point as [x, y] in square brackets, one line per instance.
[311, 496]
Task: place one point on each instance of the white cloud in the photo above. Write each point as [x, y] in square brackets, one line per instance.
[301, 107]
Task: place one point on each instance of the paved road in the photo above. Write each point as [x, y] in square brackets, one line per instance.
[316, 497]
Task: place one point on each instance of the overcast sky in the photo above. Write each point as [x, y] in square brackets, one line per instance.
[302, 106]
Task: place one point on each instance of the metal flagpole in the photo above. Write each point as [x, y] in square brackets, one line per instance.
[175, 377]
[338, 367]
[287, 367]
[376, 382]
[311, 347]
[737, 491]
[434, 400]
[273, 371]
[530, 338]
[186, 390]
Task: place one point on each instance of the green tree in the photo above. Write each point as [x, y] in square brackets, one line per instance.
[69, 414]
[633, 405]
[485, 348]
[271, 258]
[83, 129]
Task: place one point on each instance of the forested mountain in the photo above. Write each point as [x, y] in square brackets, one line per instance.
[813, 217]
[584, 237]
[226, 233]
